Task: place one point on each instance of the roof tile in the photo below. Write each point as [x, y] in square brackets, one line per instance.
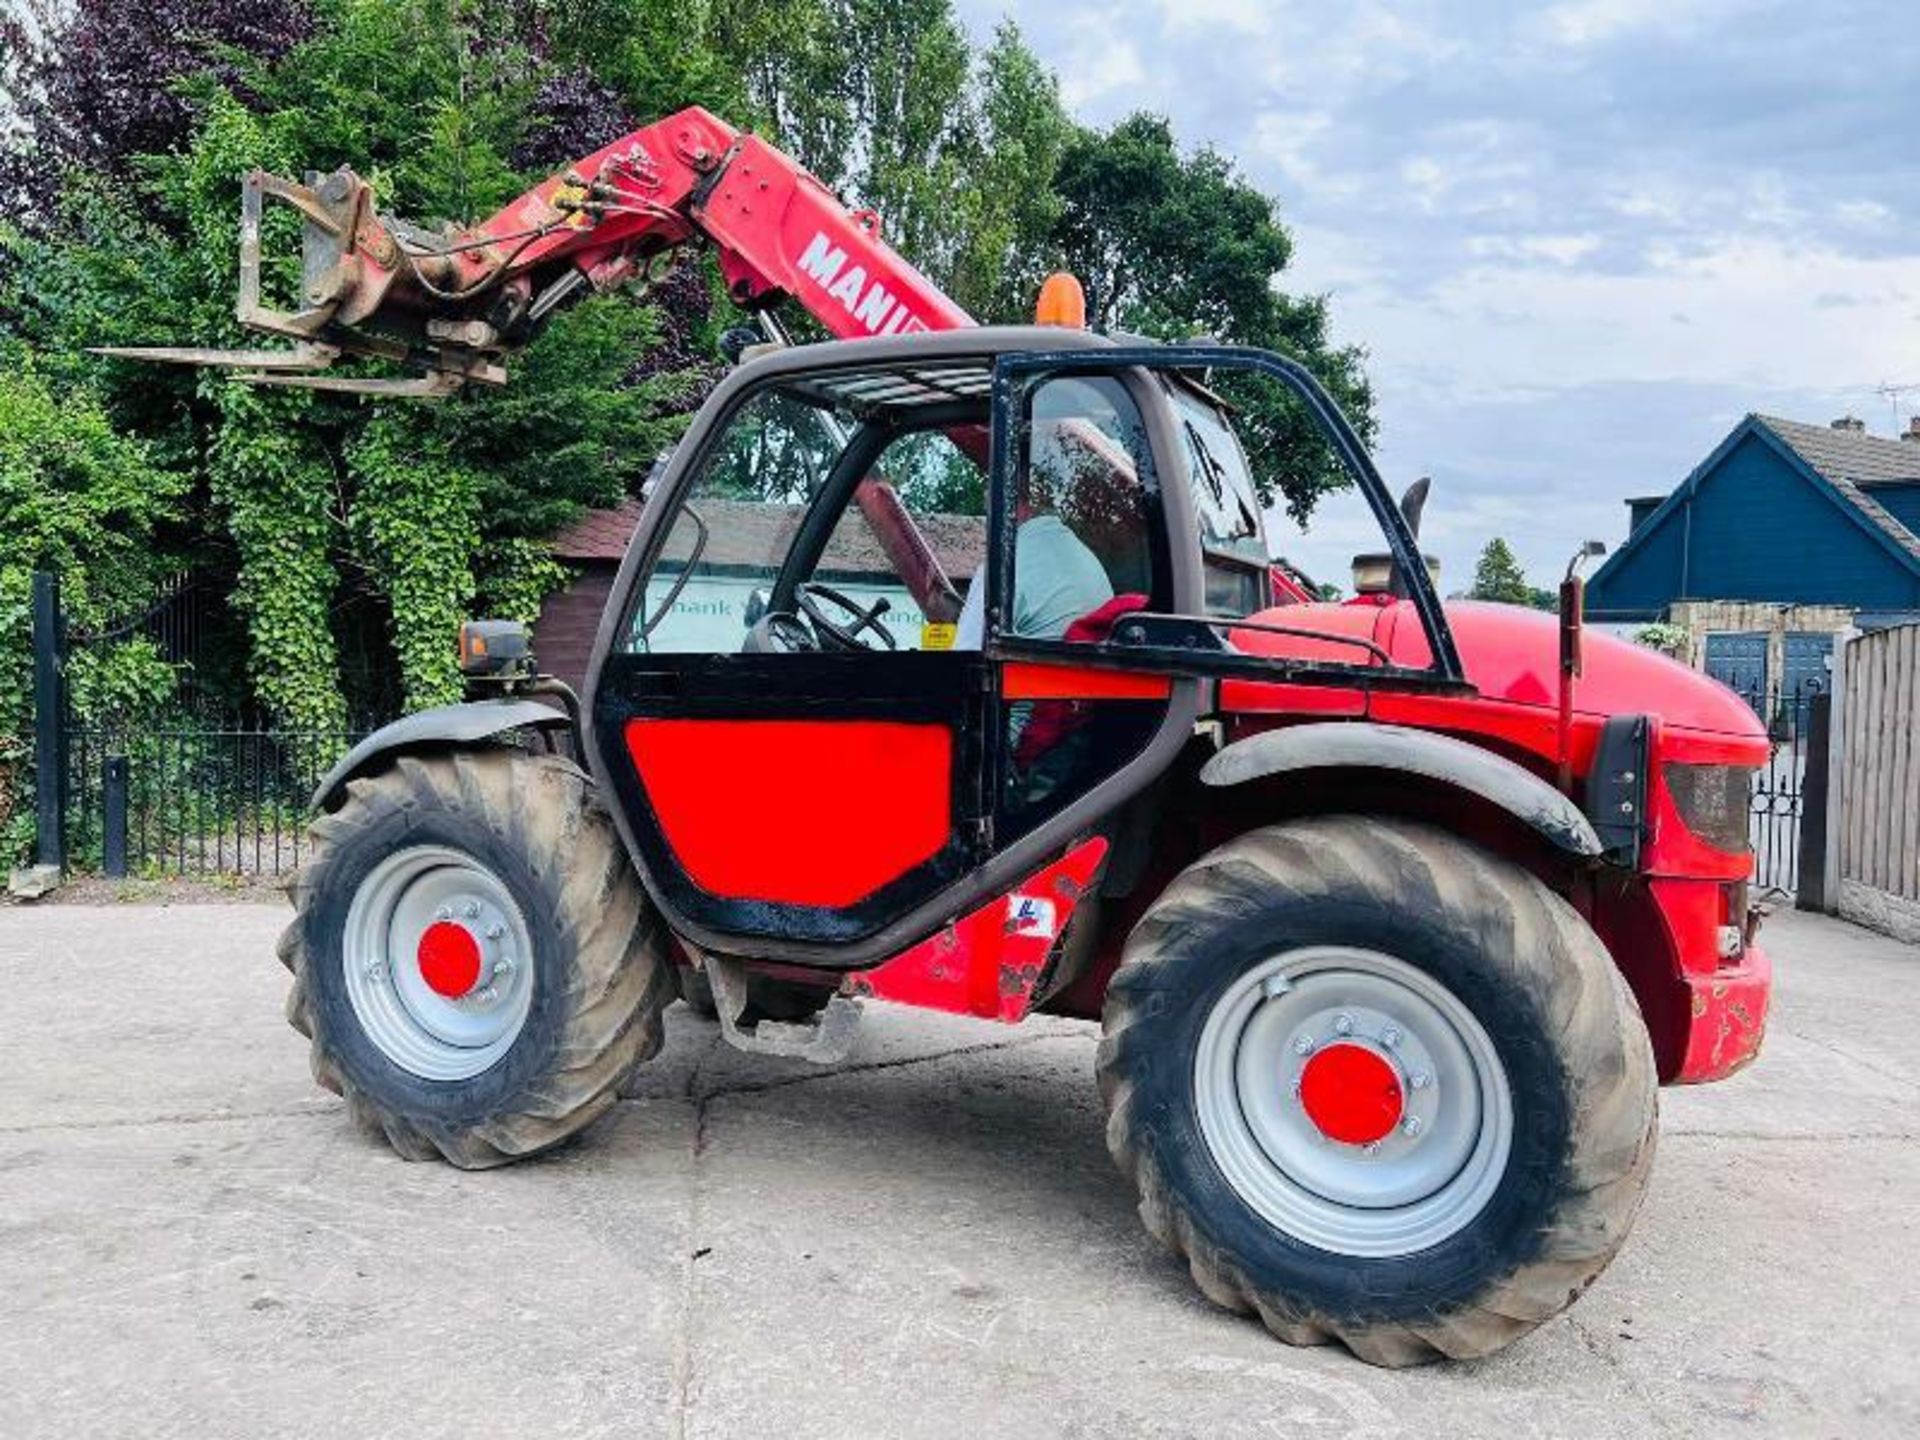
[1853, 462]
[1848, 454]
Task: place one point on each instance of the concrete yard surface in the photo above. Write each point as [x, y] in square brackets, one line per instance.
[928, 1240]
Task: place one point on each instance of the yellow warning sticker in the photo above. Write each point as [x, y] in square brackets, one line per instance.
[936, 636]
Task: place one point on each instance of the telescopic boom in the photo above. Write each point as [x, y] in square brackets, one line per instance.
[451, 305]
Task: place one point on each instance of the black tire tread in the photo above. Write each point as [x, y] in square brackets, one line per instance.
[1553, 952]
[616, 990]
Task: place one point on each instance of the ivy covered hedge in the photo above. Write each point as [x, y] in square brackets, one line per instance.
[349, 538]
[83, 501]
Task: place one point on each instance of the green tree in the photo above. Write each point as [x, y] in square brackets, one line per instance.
[872, 96]
[887, 103]
[1007, 212]
[1498, 576]
[1172, 246]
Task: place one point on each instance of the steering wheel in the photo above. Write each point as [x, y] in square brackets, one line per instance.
[779, 633]
[847, 637]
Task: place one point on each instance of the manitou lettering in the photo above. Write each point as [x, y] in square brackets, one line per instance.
[847, 288]
[870, 304]
[873, 311]
[822, 259]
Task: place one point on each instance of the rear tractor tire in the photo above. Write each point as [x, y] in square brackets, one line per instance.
[1379, 1087]
[473, 958]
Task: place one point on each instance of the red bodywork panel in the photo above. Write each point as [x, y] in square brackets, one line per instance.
[989, 962]
[804, 812]
[1021, 680]
[1726, 1001]
[1708, 1013]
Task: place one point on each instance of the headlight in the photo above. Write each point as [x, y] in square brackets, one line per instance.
[1715, 801]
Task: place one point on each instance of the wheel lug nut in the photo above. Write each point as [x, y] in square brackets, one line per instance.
[1410, 1126]
[1373, 1147]
[494, 932]
[445, 912]
[1421, 1079]
[1303, 1046]
[1390, 1036]
[1343, 1025]
[472, 910]
[376, 969]
[487, 996]
[504, 966]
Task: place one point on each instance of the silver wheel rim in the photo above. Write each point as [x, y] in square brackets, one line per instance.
[1424, 1180]
[424, 1031]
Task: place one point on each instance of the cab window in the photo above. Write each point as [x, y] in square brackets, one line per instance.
[1233, 547]
[942, 491]
[1083, 558]
[733, 531]
[1082, 553]
[827, 518]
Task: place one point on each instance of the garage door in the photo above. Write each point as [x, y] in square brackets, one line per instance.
[1803, 676]
[1807, 654]
[1738, 660]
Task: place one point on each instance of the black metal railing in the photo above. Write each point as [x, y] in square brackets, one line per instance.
[195, 797]
[1777, 805]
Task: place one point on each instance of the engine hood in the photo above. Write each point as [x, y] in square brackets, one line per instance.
[1513, 654]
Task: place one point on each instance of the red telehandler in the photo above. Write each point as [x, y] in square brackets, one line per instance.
[949, 667]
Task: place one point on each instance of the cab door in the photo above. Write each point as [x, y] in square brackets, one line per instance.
[780, 787]
[829, 801]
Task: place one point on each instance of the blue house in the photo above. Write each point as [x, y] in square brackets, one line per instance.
[1784, 535]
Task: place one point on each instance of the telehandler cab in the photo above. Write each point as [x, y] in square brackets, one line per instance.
[949, 667]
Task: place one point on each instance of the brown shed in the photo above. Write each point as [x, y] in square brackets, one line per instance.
[591, 547]
[744, 534]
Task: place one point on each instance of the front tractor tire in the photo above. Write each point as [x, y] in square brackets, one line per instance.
[473, 959]
[1378, 1086]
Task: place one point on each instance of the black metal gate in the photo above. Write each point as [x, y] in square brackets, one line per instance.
[1780, 787]
[202, 793]
[207, 795]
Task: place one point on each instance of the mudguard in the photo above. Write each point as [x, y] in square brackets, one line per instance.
[1357, 745]
[444, 725]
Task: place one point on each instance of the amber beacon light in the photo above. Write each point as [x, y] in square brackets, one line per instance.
[1062, 302]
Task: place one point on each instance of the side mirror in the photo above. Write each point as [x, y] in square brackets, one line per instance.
[756, 608]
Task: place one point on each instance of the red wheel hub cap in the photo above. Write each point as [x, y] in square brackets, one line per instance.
[1351, 1094]
[449, 959]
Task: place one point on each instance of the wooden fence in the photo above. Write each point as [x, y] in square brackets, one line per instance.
[1877, 740]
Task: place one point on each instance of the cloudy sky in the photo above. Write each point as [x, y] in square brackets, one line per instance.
[1580, 240]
